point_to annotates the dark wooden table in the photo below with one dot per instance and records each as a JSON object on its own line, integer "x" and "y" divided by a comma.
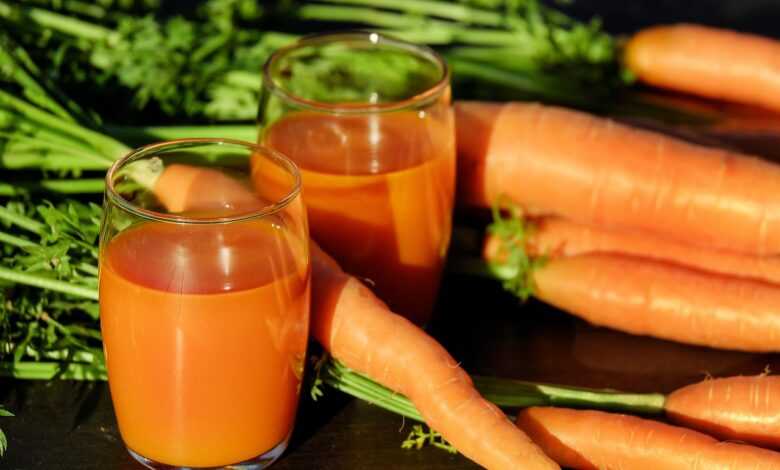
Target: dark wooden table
{"x": 71, "y": 426}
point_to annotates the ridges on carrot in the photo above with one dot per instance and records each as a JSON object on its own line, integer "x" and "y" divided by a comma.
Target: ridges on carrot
{"x": 596, "y": 440}
{"x": 642, "y": 296}
{"x": 744, "y": 408}
{"x": 359, "y": 330}
{"x": 550, "y": 160}
{"x": 556, "y": 236}
{"x": 706, "y": 61}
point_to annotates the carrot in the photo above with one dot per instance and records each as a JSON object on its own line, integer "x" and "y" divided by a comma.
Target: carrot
{"x": 654, "y": 298}
{"x": 709, "y": 62}
{"x": 360, "y": 331}
{"x": 595, "y": 440}
{"x": 180, "y": 187}
{"x": 670, "y": 302}
{"x": 556, "y": 236}
{"x": 555, "y": 161}
{"x": 741, "y": 408}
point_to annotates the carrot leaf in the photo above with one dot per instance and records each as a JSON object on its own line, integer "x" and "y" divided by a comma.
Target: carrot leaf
{"x": 420, "y": 436}
{"x": 514, "y": 267}
{"x": 3, "y": 439}
{"x": 315, "y": 391}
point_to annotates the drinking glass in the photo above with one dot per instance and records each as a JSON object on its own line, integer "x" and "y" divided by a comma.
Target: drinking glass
{"x": 204, "y": 302}
{"x": 368, "y": 119}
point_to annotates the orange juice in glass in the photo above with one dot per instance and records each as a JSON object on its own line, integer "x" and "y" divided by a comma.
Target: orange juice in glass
{"x": 368, "y": 120}
{"x": 204, "y": 303}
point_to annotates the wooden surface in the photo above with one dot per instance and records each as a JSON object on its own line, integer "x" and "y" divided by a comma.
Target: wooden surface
{"x": 70, "y": 425}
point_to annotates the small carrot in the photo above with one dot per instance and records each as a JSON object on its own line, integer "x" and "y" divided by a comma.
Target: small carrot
{"x": 360, "y": 331}
{"x": 556, "y": 236}
{"x": 658, "y": 299}
{"x": 740, "y": 408}
{"x": 595, "y": 440}
{"x": 706, "y": 61}
{"x": 642, "y": 296}
{"x": 592, "y": 170}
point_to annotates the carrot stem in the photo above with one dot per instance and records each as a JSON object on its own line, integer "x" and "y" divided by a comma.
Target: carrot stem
{"x": 505, "y": 393}
{"x": 48, "y": 283}
{"x": 520, "y": 394}
{"x": 344, "y": 379}
{"x": 13, "y": 240}
{"x": 29, "y": 370}
{"x": 21, "y": 221}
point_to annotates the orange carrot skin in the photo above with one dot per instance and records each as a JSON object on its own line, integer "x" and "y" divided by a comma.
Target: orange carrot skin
{"x": 652, "y": 298}
{"x": 360, "y": 331}
{"x": 709, "y": 62}
{"x": 736, "y": 408}
{"x": 555, "y": 236}
{"x": 186, "y": 187}
{"x": 595, "y": 440}
{"x": 551, "y": 160}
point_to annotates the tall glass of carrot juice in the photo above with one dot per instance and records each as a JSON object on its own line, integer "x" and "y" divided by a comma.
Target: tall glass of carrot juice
{"x": 204, "y": 302}
{"x": 368, "y": 120}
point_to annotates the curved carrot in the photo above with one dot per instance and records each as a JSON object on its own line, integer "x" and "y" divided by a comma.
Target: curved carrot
{"x": 360, "y": 331}
{"x": 556, "y": 236}
{"x": 654, "y": 298}
{"x": 706, "y": 61}
{"x": 555, "y": 161}
{"x": 741, "y": 408}
{"x": 595, "y": 440}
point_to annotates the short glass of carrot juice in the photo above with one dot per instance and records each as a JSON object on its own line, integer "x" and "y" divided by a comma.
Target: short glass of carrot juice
{"x": 368, "y": 120}
{"x": 204, "y": 302}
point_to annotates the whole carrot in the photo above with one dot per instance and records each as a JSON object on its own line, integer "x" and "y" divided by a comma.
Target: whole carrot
{"x": 739, "y": 408}
{"x": 556, "y": 237}
{"x": 745, "y": 409}
{"x": 360, "y": 331}
{"x": 551, "y": 160}
{"x": 595, "y": 440}
{"x": 645, "y": 297}
{"x": 707, "y": 61}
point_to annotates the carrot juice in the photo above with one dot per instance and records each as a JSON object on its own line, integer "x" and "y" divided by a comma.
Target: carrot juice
{"x": 204, "y": 329}
{"x": 379, "y": 191}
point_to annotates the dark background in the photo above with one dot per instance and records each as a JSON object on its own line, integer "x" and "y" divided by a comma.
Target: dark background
{"x": 626, "y": 16}
{"x": 70, "y": 425}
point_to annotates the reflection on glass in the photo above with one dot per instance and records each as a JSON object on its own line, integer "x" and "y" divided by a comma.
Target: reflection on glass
{"x": 204, "y": 291}
{"x": 369, "y": 122}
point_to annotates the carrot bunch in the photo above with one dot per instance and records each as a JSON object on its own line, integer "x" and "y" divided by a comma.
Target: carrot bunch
{"x": 639, "y": 231}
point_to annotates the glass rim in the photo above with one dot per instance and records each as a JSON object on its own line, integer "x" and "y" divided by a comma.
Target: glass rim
{"x": 428, "y": 95}
{"x": 151, "y": 149}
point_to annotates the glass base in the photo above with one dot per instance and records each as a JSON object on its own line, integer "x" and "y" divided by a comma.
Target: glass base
{"x": 257, "y": 463}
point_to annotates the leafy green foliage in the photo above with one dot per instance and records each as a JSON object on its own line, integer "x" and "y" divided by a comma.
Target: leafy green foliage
{"x": 337, "y": 73}
{"x": 177, "y": 66}
{"x": 61, "y": 244}
{"x": 420, "y": 436}
{"x": 206, "y": 64}
{"x": 513, "y": 265}
{"x": 3, "y": 439}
